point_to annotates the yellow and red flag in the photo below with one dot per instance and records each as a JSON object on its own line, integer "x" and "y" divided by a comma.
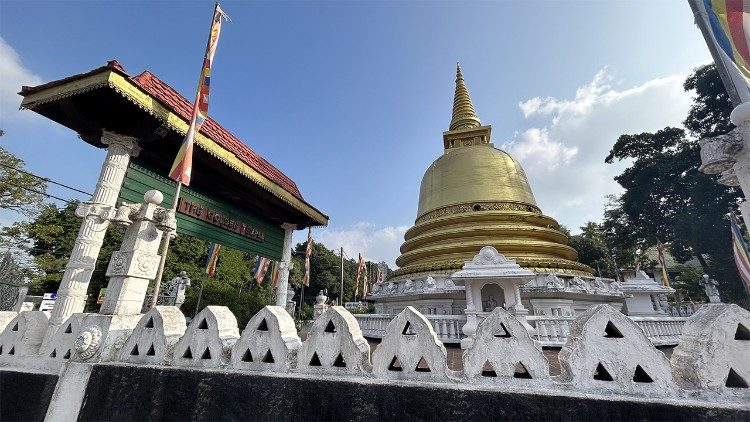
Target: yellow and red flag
{"x": 182, "y": 167}
{"x": 275, "y": 273}
{"x": 361, "y": 272}
{"x": 662, "y": 262}
{"x": 213, "y": 257}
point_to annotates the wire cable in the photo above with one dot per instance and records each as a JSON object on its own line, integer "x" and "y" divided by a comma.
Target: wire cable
{"x": 46, "y": 179}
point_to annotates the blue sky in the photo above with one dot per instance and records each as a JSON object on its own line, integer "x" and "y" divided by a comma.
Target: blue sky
{"x": 350, "y": 98}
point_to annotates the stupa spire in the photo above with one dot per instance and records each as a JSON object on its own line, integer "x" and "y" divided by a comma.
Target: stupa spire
{"x": 464, "y": 115}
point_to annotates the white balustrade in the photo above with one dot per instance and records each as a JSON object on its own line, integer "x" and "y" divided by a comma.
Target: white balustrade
{"x": 551, "y": 331}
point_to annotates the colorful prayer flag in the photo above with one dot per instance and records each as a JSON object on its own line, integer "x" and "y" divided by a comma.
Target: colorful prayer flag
{"x": 213, "y": 256}
{"x": 308, "y": 253}
{"x": 664, "y": 273}
{"x": 275, "y": 273}
{"x": 361, "y": 271}
{"x": 727, "y": 27}
{"x": 261, "y": 267}
{"x": 739, "y": 249}
{"x": 182, "y": 167}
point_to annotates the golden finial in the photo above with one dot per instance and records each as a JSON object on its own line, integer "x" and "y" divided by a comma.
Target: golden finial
{"x": 464, "y": 115}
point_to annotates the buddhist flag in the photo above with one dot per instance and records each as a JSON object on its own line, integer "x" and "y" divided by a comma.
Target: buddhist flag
{"x": 739, "y": 249}
{"x": 664, "y": 273}
{"x": 182, "y": 167}
{"x": 308, "y": 253}
{"x": 275, "y": 273}
{"x": 726, "y": 28}
{"x": 213, "y": 256}
{"x": 261, "y": 267}
{"x": 361, "y": 272}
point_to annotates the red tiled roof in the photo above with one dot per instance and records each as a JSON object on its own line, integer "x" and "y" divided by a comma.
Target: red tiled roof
{"x": 183, "y": 108}
{"x": 180, "y": 105}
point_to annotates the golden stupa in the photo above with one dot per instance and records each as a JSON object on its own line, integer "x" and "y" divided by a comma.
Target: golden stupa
{"x": 476, "y": 195}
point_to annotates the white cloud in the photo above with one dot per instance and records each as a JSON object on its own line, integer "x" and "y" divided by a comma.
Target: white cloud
{"x": 564, "y": 157}
{"x": 13, "y": 75}
{"x": 374, "y": 243}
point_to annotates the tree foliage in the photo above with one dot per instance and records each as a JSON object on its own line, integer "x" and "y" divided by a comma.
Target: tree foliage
{"x": 667, "y": 198}
{"x": 19, "y": 191}
{"x": 592, "y": 249}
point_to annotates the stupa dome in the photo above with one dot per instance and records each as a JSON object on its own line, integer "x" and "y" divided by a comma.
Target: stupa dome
{"x": 473, "y": 174}
{"x": 476, "y": 195}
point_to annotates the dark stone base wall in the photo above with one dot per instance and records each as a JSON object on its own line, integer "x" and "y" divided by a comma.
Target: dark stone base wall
{"x": 25, "y": 396}
{"x": 124, "y": 392}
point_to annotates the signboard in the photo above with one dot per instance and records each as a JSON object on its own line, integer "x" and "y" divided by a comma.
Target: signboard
{"x": 100, "y": 298}
{"x": 204, "y": 216}
{"x": 48, "y": 302}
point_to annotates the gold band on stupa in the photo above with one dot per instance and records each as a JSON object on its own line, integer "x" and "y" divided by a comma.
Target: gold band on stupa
{"x": 476, "y": 195}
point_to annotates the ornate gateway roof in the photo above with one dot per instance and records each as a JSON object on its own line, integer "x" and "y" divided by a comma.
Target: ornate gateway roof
{"x": 149, "y": 109}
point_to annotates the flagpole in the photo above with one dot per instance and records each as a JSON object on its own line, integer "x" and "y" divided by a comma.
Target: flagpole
{"x": 721, "y": 65}
{"x": 200, "y": 295}
{"x": 164, "y": 249}
{"x": 190, "y": 135}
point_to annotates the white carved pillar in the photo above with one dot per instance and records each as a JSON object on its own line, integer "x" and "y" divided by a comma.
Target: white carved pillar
{"x": 285, "y": 266}
{"x": 71, "y": 296}
{"x": 137, "y": 261}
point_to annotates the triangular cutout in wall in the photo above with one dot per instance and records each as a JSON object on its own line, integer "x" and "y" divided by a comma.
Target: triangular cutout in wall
{"x": 151, "y": 351}
{"x": 339, "y": 362}
{"x": 263, "y": 326}
{"x": 188, "y": 353}
{"x": 206, "y": 354}
{"x": 315, "y": 360}
{"x": 268, "y": 358}
{"x": 641, "y": 376}
{"x": 488, "y": 370}
{"x": 395, "y": 365}
{"x": 502, "y": 332}
{"x": 742, "y": 333}
{"x": 422, "y": 366}
{"x": 734, "y": 380}
{"x": 521, "y": 371}
{"x": 610, "y": 331}
{"x": 248, "y": 356}
{"x": 330, "y": 328}
{"x": 601, "y": 374}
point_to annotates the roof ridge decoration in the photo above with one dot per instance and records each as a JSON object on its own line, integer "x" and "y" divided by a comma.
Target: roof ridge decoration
{"x": 464, "y": 116}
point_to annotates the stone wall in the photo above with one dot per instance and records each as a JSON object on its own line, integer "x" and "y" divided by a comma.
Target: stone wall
{"x": 608, "y": 363}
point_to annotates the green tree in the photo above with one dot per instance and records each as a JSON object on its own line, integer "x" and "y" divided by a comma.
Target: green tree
{"x": 325, "y": 270}
{"x": 667, "y": 198}
{"x": 19, "y": 190}
{"x": 592, "y": 249}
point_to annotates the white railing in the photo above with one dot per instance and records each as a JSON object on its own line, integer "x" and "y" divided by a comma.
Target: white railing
{"x": 661, "y": 330}
{"x": 447, "y": 327}
{"x": 551, "y": 331}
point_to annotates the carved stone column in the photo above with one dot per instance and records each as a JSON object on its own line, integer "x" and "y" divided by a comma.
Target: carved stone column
{"x": 71, "y": 296}
{"x": 131, "y": 268}
{"x": 285, "y": 266}
{"x": 729, "y": 156}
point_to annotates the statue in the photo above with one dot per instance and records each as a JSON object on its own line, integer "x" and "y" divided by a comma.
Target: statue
{"x": 578, "y": 283}
{"x": 392, "y": 287}
{"x": 376, "y": 288}
{"x": 490, "y": 304}
{"x": 409, "y": 285}
{"x": 553, "y": 282}
{"x": 599, "y": 284}
{"x": 430, "y": 283}
{"x": 181, "y": 283}
{"x": 711, "y": 287}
